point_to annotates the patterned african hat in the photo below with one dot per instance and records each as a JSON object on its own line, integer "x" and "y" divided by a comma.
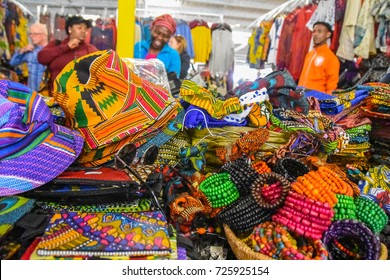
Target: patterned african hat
{"x": 109, "y": 105}
{"x": 33, "y": 149}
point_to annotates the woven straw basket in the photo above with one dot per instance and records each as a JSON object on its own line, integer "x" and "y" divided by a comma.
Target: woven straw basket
{"x": 243, "y": 252}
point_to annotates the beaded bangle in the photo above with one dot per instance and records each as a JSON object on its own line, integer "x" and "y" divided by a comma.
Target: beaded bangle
{"x": 291, "y": 168}
{"x": 219, "y": 189}
{"x": 304, "y": 216}
{"x": 315, "y": 187}
{"x": 241, "y": 173}
{"x": 368, "y": 242}
{"x": 261, "y": 167}
{"x": 371, "y": 214}
{"x": 269, "y": 190}
{"x": 337, "y": 184}
{"x": 243, "y": 215}
{"x": 275, "y": 241}
{"x": 351, "y": 253}
{"x": 345, "y": 208}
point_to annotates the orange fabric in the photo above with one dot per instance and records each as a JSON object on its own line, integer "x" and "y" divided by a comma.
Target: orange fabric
{"x": 320, "y": 70}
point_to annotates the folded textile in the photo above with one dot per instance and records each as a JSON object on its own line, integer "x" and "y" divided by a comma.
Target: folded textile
{"x": 197, "y": 117}
{"x": 344, "y": 99}
{"x": 281, "y": 89}
{"x": 319, "y": 95}
{"x": 334, "y": 110}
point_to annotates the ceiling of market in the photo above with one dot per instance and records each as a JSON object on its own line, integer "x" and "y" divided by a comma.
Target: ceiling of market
{"x": 241, "y": 15}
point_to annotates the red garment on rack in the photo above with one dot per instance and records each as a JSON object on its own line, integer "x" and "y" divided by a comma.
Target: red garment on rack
{"x": 336, "y": 36}
{"x": 299, "y": 50}
{"x": 284, "y": 55}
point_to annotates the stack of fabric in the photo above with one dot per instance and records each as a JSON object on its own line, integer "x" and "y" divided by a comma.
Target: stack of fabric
{"x": 378, "y": 109}
{"x": 343, "y": 108}
{"x": 340, "y": 100}
{"x": 357, "y": 128}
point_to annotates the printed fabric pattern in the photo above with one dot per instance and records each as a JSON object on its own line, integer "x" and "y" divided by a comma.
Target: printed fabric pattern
{"x": 99, "y": 234}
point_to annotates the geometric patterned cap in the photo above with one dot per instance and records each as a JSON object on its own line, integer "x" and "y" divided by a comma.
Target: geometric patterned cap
{"x": 106, "y": 102}
{"x": 33, "y": 149}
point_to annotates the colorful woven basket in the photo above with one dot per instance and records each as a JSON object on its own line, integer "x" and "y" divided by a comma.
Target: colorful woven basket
{"x": 243, "y": 252}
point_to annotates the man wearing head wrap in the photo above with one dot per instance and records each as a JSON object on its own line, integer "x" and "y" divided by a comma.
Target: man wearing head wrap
{"x": 162, "y": 28}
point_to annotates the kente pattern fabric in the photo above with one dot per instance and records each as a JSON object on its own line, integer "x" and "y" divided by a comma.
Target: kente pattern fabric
{"x": 101, "y": 234}
{"x": 30, "y": 141}
{"x": 109, "y": 103}
{"x": 203, "y": 98}
{"x": 102, "y": 155}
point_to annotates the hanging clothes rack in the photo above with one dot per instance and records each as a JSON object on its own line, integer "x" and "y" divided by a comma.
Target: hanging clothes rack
{"x": 22, "y": 7}
{"x": 175, "y": 13}
{"x": 291, "y": 4}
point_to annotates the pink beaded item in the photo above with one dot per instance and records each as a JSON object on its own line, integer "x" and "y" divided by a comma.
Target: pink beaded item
{"x": 304, "y": 216}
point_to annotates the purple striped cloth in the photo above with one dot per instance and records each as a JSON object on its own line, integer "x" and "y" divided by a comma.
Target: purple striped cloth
{"x": 33, "y": 149}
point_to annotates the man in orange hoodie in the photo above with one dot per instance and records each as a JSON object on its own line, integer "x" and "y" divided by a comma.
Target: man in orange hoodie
{"x": 321, "y": 67}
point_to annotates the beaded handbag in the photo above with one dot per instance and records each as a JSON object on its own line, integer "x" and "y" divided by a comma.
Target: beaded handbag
{"x": 72, "y": 234}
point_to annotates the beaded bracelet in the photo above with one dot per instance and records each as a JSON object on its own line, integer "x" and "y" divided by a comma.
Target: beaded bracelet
{"x": 338, "y": 185}
{"x": 243, "y": 215}
{"x": 304, "y": 216}
{"x": 275, "y": 241}
{"x": 345, "y": 208}
{"x": 219, "y": 189}
{"x": 241, "y": 174}
{"x": 369, "y": 243}
{"x": 291, "y": 168}
{"x": 315, "y": 187}
{"x": 349, "y": 247}
{"x": 371, "y": 214}
{"x": 261, "y": 167}
{"x": 269, "y": 190}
